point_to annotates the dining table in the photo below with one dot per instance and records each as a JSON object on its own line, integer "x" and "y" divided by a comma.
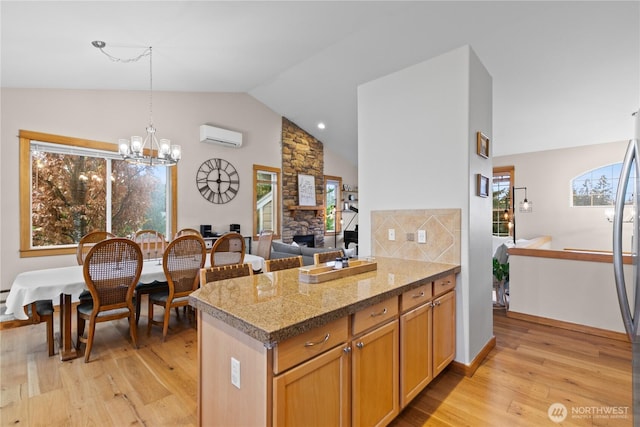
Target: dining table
{"x": 67, "y": 283}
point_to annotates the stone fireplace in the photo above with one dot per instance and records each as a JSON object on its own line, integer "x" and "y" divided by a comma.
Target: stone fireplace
{"x": 301, "y": 154}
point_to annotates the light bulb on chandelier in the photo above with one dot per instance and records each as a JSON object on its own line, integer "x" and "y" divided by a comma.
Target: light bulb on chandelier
{"x": 147, "y": 151}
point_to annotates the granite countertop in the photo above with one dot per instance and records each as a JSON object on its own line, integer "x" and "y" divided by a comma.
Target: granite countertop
{"x": 272, "y": 307}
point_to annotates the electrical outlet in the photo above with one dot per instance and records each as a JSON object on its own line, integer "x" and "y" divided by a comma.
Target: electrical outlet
{"x": 392, "y": 234}
{"x": 422, "y": 236}
{"x": 235, "y": 372}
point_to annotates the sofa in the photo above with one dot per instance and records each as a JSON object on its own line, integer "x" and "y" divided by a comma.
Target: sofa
{"x": 284, "y": 250}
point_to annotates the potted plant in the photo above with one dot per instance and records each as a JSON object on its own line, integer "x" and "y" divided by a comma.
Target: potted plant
{"x": 500, "y": 276}
{"x": 500, "y": 271}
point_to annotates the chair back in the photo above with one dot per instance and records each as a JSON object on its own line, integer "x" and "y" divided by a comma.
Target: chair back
{"x": 322, "y": 257}
{"x": 111, "y": 271}
{"x": 186, "y": 231}
{"x": 228, "y": 249}
{"x": 88, "y": 241}
{"x": 264, "y": 244}
{"x": 182, "y": 261}
{"x": 152, "y": 243}
{"x": 278, "y": 264}
{"x": 223, "y": 272}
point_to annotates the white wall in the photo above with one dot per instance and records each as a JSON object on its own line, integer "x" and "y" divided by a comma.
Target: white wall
{"x": 579, "y": 292}
{"x": 336, "y": 165}
{"x": 416, "y": 150}
{"x": 547, "y": 176}
{"x": 108, "y": 115}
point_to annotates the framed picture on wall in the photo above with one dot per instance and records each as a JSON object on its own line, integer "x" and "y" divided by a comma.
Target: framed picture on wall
{"x": 306, "y": 190}
{"x": 482, "y": 145}
{"x": 482, "y": 185}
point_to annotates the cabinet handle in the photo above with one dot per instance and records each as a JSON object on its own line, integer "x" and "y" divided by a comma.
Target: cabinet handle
{"x": 347, "y": 349}
{"x": 436, "y": 303}
{"x": 384, "y": 311}
{"x": 360, "y": 344}
{"x": 311, "y": 344}
{"x": 420, "y": 295}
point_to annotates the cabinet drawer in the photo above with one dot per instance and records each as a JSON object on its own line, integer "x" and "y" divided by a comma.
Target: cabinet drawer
{"x": 374, "y": 315}
{"x": 415, "y": 297}
{"x": 444, "y": 285}
{"x": 302, "y": 347}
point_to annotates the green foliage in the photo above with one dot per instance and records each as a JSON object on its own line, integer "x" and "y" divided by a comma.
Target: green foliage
{"x": 500, "y": 271}
{"x": 69, "y": 198}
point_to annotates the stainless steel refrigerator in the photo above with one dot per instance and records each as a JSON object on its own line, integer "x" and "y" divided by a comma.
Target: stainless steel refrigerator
{"x": 629, "y": 183}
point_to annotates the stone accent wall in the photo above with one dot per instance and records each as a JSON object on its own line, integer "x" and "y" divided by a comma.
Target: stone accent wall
{"x": 301, "y": 153}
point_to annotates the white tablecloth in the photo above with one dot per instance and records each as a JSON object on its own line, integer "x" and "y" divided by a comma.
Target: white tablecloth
{"x": 49, "y": 283}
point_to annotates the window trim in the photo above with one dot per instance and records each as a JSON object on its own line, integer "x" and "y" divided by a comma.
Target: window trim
{"x": 25, "y": 137}
{"x": 338, "y": 219}
{"x": 278, "y": 199}
{"x": 512, "y": 172}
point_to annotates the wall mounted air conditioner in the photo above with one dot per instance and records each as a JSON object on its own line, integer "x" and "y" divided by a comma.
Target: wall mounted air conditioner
{"x": 214, "y": 135}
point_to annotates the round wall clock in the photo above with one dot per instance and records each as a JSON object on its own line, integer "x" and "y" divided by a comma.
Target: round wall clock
{"x": 217, "y": 181}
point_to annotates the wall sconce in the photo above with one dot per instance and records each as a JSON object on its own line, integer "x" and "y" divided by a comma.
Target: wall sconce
{"x": 526, "y": 206}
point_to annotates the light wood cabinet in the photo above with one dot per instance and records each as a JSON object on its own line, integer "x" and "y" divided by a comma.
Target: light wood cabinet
{"x": 375, "y": 376}
{"x": 315, "y": 393}
{"x": 345, "y": 372}
{"x": 416, "y": 370}
{"x": 427, "y": 335}
{"x": 444, "y": 331}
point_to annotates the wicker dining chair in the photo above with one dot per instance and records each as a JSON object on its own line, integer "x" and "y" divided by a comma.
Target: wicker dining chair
{"x": 185, "y": 231}
{"x": 322, "y": 257}
{"x": 152, "y": 244}
{"x": 264, "y": 244}
{"x": 111, "y": 270}
{"x": 182, "y": 261}
{"x": 88, "y": 241}
{"x": 42, "y": 311}
{"x": 222, "y": 272}
{"x": 278, "y": 264}
{"x": 228, "y": 249}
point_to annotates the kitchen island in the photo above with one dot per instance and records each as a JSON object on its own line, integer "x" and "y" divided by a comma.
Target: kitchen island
{"x": 273, "y": 350}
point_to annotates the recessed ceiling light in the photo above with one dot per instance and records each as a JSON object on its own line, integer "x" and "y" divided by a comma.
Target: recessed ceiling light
{"x": 321, "y": 125}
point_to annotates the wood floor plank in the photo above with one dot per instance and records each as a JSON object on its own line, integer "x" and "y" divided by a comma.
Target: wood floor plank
{"x": 531, "y": 368}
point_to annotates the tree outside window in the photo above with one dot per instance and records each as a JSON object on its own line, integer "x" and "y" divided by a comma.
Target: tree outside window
{"x": 598, "y": 187}
{"x": 267, "y": 208}
{"x": 501, "y": 191}
{"x": 332, "y": 204}
{"x": 75, "y": 186}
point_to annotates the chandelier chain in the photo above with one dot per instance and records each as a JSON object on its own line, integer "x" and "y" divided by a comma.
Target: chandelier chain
{"x": 146, "y": 52}
{"x": 150, "y": 86}
{"x": 148, "y": 151}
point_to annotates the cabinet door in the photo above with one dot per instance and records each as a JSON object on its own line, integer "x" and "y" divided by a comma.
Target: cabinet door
{"x": 444, "y": 331}
{"x": 415, "y": 352}
{"x": 315, "y": 393}
{"x": 375, "y": 376}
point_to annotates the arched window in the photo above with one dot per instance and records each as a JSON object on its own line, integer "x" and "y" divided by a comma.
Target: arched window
{"x": 598, "y": 187}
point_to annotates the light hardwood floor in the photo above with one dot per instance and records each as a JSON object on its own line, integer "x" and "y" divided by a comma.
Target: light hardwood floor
{"x": 531, "y": 367}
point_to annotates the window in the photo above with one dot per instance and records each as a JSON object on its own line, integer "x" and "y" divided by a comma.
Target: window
{"x": 501, "y": 188}
{"x": 266, "y": 182}
{"x": 332, "y": 217}
{"x": 70, "y": 186}
{"x": 598, "y": 187}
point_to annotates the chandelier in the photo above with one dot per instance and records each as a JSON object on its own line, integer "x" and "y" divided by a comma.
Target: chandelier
{"x": 147, "y": 150}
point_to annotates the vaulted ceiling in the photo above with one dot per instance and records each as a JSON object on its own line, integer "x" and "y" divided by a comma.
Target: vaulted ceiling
{"x": 564, "y": 73}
